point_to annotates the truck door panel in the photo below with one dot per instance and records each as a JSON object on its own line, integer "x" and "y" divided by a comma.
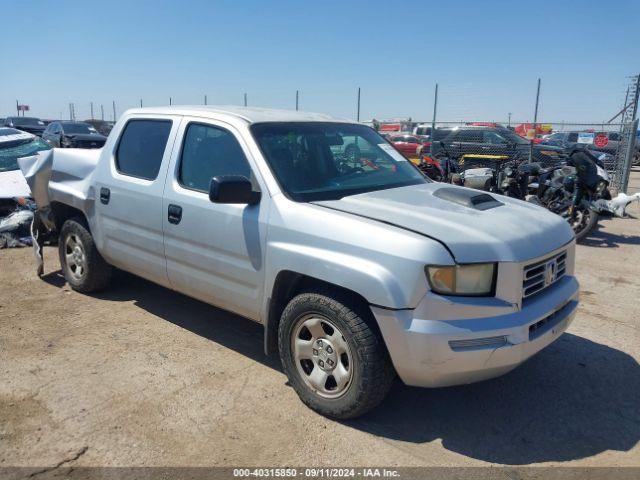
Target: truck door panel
{"x": 214, "y": 252}
{"x": 129, "y": 197}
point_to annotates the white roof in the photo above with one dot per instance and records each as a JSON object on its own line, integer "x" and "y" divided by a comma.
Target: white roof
{"x": 248, "y": 114}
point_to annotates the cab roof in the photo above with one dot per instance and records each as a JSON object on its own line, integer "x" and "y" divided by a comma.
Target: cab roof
{"x": 247, "y": 114}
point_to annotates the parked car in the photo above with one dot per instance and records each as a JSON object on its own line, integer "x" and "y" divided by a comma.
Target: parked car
{"x": 73, "y": 135}
{"x": 26, "y": 124}
{"x": 423, "y": 129}
{"x": 356, "y": 274}
{"x": 569, "y": 140}
{"x": 13, "y": 187}
{"x": 102, "y": 126}
{"x": 494, "y": 141}
{"x": 406, "y": 144}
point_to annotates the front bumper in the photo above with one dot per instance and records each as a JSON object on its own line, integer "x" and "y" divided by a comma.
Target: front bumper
{"x": 439, "y": 353}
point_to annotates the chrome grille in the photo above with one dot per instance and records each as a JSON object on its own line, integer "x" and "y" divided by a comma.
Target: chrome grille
{"x": 540, "y": 275}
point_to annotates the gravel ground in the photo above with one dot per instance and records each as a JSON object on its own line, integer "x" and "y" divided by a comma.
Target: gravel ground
{"x": 140, "y": 375}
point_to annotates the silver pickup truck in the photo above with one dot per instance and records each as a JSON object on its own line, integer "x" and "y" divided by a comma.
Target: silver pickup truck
{"x": 359, "y": 267}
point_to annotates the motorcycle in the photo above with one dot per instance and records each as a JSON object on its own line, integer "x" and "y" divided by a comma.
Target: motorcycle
{"x": 571, "y": 190}
{"x": 437, "y": 169}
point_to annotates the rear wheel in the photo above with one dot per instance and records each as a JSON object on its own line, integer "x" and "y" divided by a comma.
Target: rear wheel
{"x": 82, "y": 265}
{"x": 336, "y": 362}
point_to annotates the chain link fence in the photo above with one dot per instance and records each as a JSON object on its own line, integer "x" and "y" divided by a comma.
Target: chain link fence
{"x": 488, "y": 144}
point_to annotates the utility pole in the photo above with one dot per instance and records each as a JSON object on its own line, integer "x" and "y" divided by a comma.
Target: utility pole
{"x": 102, "y": 112}
{"x": 297, "y": 95}
{"x": 114, "y": 111}
{"x": 91, "y": 110}
{"x": 18, "y": 107}
{"x": 433, "y": 119}
{"x": 140, "y": 103}
{"x": 170, "y": 100}
{"x": 535, "y": 121}
{"x": 245, "y": 99}
{"x": 509, "y": 119}
{"x": 358, "y": 111}
{"x": 205, "y": 99}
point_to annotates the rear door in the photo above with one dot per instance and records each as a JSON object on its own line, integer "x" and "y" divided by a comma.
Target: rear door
{"x": 129, "y": 189}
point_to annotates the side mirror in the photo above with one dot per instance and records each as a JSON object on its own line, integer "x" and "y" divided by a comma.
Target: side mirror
{"x": 232, "y": 189}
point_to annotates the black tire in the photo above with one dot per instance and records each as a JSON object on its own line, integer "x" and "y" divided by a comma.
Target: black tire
{"x": 591, "y": 222}
{"x": 96, "y": 272}
{"x": 370, "y": 367}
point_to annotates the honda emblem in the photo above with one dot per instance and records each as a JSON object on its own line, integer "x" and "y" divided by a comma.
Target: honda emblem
{"x": 550, "y": 273}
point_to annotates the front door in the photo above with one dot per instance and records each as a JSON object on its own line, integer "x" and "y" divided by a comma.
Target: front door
{"x": 215, "y": 252}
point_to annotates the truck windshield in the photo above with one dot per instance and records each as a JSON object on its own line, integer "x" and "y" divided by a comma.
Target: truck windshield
{"x": 27, "y": 121}
{"x": 513, "y": 137}
{"x": 327, "y": 161}
{"x": 78, "y": 128}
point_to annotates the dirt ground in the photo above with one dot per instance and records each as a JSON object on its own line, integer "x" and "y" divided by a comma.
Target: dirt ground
{"x": 140, "y": 375}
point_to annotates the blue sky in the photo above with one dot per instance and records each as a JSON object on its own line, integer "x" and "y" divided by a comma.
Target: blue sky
{"x": 485, "y": 55}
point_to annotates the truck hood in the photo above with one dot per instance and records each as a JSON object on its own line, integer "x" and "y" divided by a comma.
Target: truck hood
{"x": 501, "y": 229}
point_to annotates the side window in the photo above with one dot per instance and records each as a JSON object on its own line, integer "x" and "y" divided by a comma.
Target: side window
{"x": 209, "y": 151}
{"x": 572, "y": 137}
{"x": 492, "y": 138}
{"x": 141, "y": 148}
{"x": 614, "y": 137}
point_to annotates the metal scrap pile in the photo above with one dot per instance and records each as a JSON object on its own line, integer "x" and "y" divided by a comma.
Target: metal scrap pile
{"x": 15, "y": 229}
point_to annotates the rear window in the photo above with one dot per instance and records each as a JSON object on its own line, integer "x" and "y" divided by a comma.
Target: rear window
{"x": 141, "y": 148}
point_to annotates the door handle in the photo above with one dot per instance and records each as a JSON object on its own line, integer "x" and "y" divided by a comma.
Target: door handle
{"x": 174, "y": 214}
{"x": 105, "y": 195}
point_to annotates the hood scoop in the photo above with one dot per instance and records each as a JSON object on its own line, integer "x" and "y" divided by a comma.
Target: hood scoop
{"x": 467, "y": 198}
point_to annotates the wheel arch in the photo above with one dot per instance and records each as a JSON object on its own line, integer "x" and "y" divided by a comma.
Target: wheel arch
{"x": 63, "y": 212}
{"x": 287, "y": 285}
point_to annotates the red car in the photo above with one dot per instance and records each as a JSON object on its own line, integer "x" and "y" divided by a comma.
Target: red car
{"x": 407, "y": 145}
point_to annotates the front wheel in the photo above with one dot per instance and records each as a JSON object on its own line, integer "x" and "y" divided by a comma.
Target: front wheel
{"x": 335, "y": 360}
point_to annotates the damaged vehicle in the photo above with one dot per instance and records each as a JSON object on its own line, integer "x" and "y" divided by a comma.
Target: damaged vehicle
{"x": 16, "y": 205}
{"x": 73, "y": 135}
{"x": 358, "y": 273}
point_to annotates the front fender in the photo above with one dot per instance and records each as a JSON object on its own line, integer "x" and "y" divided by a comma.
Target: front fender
{"x": 373, "y": 281}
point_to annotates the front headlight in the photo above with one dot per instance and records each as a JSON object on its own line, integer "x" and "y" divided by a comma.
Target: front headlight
{"x": 472, "y": 280}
